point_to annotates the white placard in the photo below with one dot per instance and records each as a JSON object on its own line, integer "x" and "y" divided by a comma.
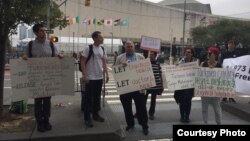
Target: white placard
{"x": 181, "y": 76}
{"x": 135, "y": 76}
{"x": 150, "y": 43}
{"x": 242, "y": 72}
{"x": 216, "y": 82}
{"x": 41, "y": 77}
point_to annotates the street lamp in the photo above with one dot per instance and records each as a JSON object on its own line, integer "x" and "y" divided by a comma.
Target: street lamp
{"x": 184, "y": 23}
{"x": 112, "y": 37}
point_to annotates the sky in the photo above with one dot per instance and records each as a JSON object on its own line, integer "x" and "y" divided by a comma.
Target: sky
{"x": 231, "y": 8}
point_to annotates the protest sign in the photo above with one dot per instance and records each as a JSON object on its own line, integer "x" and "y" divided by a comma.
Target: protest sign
{"x": 133, "y": 77}
{"x": 41, "y": 77}
{"x": 150, "y": 43}
{"x": 181, "y": 76}
{"x": 241, "y": 65}
{"x": 214, "y": 82}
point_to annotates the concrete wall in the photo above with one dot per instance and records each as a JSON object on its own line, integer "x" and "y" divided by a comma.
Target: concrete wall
{"x": 144, "y": 19}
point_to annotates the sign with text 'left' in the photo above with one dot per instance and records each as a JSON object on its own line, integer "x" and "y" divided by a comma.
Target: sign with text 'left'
{"x": 41, "y": 77}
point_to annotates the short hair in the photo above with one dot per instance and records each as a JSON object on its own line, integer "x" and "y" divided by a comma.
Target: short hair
{"x": 36, "y": 27}
{"x": 192, "y": 50}
{"x": 231, "y": 42}
{"x": 95, "y": 34}
{"x": 129, "y": 42}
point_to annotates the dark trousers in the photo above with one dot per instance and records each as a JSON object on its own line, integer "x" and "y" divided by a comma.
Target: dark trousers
{"x": 92, "y": 98}
{"x": 185, "y": 106}
{"x": 42, "y": 109}
{"x": 139, "y": 99}
{"x": 152, "y": 103}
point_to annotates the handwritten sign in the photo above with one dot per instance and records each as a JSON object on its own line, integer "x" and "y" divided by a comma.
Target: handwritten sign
{"x": 181, "y": 76}
{"x": 241, "y": 65}
{"x": 151, "y": 44}
{"x": 216, "y": 82}
{"x": 41, "y": 77}
{"x": 135, "y": 76}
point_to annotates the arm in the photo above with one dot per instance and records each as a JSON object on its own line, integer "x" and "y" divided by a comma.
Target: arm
{"x": 84, "y": 70}
{"x": 105, "y": 69}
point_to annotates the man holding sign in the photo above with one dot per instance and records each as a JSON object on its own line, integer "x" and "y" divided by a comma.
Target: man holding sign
{"x": 41, "y": 48}
{"x": 139, "y": 98}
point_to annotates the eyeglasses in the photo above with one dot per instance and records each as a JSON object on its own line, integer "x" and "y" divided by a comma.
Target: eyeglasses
{"x": 188, "y": 51}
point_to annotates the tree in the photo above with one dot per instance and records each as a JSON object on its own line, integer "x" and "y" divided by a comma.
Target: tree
{"x": 222, "y": 31}
{"x": 14, "y": 12}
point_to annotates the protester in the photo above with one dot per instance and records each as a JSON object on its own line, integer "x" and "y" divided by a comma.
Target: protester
{"x": 213, "y": 53}
{"x": 184, "y": 97}
{"x": 41, "y": 48}
{"x": 94, "y": 67}
{"x": 231, "y": 52}
{"x": 139, "y": 98}
{"x": 115, "y": 56}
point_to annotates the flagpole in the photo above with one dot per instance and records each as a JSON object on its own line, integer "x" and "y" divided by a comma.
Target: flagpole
{"x": 79, "y": 5}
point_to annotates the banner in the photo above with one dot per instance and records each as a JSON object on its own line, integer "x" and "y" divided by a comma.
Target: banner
{"x": 241, "y": 65}
{"x": 41, "y": 77}
{"x": 215, "y": 82}
{"x": 133, "y": 77}
{"x": 181, "y": 76}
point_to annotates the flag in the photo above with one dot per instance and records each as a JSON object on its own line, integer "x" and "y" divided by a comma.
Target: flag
{"x": 74, "y": 20}
{"x": 101, "y": 22}
{"x": 124, "y": 23}
{"x": 108, "y": 22}
{"x": 117, "y": 22}
{"x": 84, "y": 21}
{"x": 91, "y": 21}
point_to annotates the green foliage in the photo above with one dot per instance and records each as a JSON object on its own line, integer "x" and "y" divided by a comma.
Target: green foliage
{"x": 222, "y": 31}
{"x": 14, "y": 12}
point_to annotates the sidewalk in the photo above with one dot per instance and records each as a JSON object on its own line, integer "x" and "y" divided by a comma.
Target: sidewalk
{"x": 68, "y": 123}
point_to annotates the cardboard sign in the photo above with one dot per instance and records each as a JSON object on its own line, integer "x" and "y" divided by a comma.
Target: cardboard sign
{"x": 150, "y": 43}
{"x": 41, "y": 77}
{"x": 134, "y": 77}
{"x": 215, "y": 82}
{"x": 241, "y": 65}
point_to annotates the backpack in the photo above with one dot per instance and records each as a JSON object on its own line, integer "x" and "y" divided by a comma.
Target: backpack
{"x": 89, "y": 55}
{"x": 51, "y": 45}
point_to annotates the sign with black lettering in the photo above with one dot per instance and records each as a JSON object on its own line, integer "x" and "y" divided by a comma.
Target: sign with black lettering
{"x": 150, "y": 43}
{"x": 41, "y": 77}
{"x": 133, "y": 77}
{"x": 181, "y": 76}
{"x": 241, "y": 65}
{"x": 215, "y": 82}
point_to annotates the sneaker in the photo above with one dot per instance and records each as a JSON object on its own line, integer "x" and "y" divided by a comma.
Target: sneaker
{"x": 232, "y": 100}
{"x": 98, "y": 118}
{"x": 129, "y": 127}
{"x": 151, "y": 117}
{"x": 89, "y": 123}
{"x": 47, "y": 126}
{"x": 224, "y": 100}
{"x": 145, "y": 131}
{"x": 40, "y": 127}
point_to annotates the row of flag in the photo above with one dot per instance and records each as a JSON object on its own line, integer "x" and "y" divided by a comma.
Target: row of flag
{"x": 105, "y": 22}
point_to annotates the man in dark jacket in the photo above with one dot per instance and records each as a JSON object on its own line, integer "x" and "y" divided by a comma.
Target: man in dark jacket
{"x": 231, "y": 52}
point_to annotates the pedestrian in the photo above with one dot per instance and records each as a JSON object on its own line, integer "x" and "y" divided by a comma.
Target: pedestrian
{"x": 212, "y": 62}
{"x": 231, "y": 52}
{"x": 94, "y": 67}
{"x": 41, "y": 48}
{"x": 158, "y": 89}
{"x": 138, "y": 97}
{"x": 184, "y": 97}
{"x": 115, "y": 56}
